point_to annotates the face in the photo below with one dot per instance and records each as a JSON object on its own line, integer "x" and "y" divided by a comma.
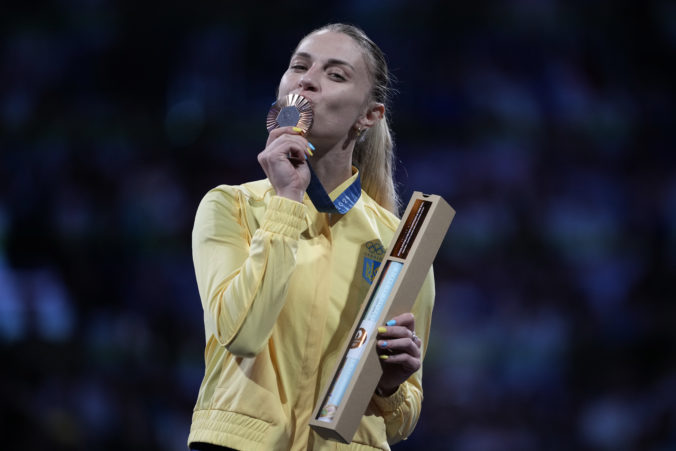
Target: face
{"x": 330, "y": 70}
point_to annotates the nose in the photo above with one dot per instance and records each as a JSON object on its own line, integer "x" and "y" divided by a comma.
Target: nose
{"x": 308, "y": 82}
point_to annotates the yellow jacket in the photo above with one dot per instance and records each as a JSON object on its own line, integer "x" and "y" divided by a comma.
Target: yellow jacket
{"x": 281, "y": 285}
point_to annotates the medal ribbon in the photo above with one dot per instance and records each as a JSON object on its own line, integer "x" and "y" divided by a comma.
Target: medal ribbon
{"x": 321, "y": 200}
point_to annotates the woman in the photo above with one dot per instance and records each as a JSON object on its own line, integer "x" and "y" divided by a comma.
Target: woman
{"x": 281, "y": 283}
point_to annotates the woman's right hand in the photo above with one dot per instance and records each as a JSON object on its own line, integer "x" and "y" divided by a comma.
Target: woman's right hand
{"x": 284, "y": 162}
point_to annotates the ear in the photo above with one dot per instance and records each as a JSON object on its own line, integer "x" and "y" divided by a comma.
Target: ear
{"x": 374, "y": 113}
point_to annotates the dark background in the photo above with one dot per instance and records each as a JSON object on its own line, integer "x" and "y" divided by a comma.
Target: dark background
{"x": 548, "y": 125}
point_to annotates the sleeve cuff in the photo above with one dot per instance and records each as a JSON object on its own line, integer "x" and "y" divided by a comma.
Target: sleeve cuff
{"x": 388, "y": 404}
{"x": 284, "y": 216}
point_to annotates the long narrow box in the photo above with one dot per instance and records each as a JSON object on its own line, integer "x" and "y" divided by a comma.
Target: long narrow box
{"x": 344, "y": 400}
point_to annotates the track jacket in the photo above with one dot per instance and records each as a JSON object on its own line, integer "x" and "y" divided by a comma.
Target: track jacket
{"x": 281, "y": 285}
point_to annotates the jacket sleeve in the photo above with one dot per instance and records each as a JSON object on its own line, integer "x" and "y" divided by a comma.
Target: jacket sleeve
{"x": 401, "y": 410}
{"x": 243, "y": 279}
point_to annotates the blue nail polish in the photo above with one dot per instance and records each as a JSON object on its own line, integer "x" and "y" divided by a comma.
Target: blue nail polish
{"x": 384, "y": 345}
{"x": 311, "y": 146}
{"x": 391, "y": 322}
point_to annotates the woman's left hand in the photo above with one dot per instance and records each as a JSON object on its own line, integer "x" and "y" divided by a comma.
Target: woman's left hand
{"x": 399, "y": 350}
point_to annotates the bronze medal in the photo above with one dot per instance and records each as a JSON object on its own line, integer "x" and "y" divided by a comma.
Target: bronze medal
{"x": 293, "y": 110}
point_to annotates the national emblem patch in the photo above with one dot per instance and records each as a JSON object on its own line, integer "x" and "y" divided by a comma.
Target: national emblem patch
{"x": 374, "y": 255}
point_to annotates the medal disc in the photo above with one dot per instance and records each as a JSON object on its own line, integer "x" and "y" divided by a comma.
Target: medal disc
{"x": 293, "y": 110}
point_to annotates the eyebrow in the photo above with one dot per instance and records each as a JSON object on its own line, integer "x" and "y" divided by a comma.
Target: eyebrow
{"x": 329, "y": 62}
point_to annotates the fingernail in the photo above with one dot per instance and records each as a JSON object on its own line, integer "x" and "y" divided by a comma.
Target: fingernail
{"x": 310, "y": 150}
{"x": 391, "y": 322}
{"x": 383, "y": 344}
{"x": 384, "y": 357}
{"x": 382, "y": 329}
{"x": 297, "y": 129}
{"x": 311, "y": 146}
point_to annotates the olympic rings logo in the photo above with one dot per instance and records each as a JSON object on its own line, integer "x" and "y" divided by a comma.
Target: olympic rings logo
{"x": 375, "y": 247}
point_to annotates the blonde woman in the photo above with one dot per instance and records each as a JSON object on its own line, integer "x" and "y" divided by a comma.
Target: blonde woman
{"x": 281, "y": 283}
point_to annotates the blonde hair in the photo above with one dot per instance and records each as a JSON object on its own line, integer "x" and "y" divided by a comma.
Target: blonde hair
{"x": 374, "y": 150}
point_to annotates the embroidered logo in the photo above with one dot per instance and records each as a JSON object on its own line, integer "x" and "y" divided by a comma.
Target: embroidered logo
{"x": 374, "y": 255}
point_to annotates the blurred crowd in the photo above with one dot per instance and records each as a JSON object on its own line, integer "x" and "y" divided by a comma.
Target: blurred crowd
{"x": 548, "y": 126}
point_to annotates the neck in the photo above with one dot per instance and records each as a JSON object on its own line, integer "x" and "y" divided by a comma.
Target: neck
{"x": 333, "y": 167}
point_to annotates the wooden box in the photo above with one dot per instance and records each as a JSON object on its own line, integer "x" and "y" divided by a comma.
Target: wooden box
{"x": 344, "y": 400}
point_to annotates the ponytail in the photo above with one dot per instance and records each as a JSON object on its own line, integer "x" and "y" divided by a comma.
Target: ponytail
{"x": 374, "y": 156}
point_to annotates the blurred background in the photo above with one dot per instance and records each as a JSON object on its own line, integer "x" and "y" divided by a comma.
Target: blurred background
{"x": 548, "y": 125}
